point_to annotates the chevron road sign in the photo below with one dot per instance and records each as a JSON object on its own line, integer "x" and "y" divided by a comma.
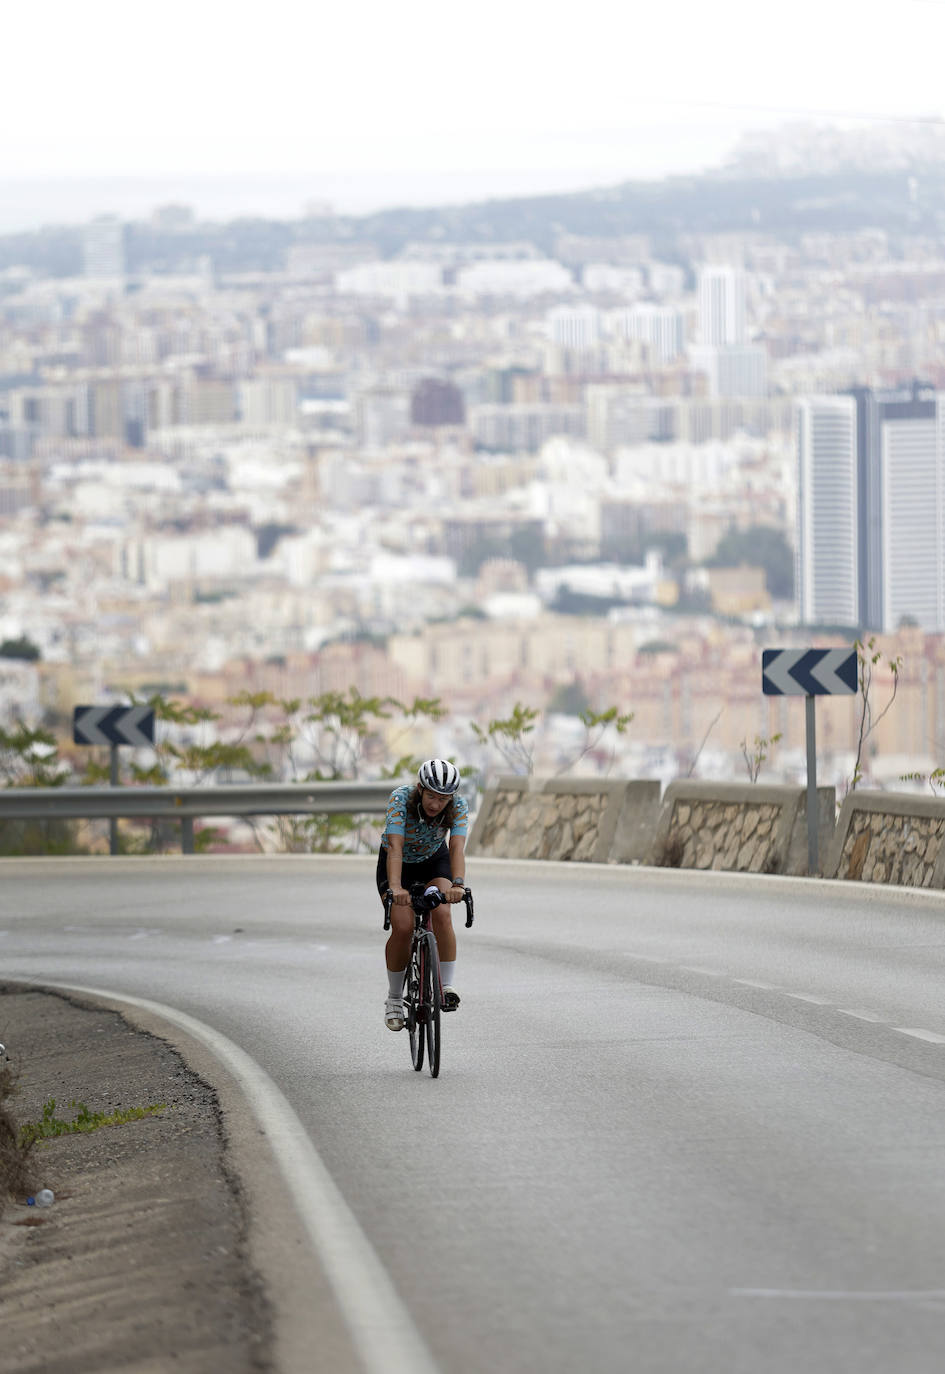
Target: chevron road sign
{"x": 808, "y": 672}
{"x": 112, "y": 725}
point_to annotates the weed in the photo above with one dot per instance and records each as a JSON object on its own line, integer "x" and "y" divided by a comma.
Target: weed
{"x": 671, "y": 851}
{"x": 14, "y": 1153}
{"x": 49, "y": 1125}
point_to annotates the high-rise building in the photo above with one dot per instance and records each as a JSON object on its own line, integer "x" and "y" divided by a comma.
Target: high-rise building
{"x": 871, "y": 509}
{"x": 722, "y": 306}
{"x": 828, "y": 505}
{"x": 103, "y": 242}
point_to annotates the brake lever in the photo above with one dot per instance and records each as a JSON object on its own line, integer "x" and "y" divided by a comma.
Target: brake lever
{"x": 388, "y": 903}
{"x": 468, "y": 899}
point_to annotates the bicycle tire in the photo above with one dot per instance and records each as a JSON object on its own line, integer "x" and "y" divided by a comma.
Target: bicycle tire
{"x": 432, "y": 997}
{"x": 414, "y": 1006}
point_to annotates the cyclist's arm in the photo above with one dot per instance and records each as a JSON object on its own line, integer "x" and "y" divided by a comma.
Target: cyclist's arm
{"x": 395, "y": 864}
{"x": 457, "y": 850}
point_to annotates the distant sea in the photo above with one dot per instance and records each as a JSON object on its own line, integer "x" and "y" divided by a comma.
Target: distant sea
{"x": 31, "y": 203}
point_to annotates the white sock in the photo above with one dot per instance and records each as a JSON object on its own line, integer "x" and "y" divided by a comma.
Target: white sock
{"x": 395, "y": 980}
{"x": 447, "y": 972}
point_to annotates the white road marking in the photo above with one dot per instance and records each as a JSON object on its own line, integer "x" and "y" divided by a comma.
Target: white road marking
{"x": 381, "y": 1328}
{"x": 809, "y": 997}
{"x": 142, "y": 934}
{"x": 930, "y": 1036}
{"x": 840, "y": 1294}
{"x": 221, "y": 940}
{"x": 864, "y": 1016}
{"x": 706, "y": 972}
{"x": 753, "y": 983}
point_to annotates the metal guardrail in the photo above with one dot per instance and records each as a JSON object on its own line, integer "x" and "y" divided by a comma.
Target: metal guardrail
{"x": 187, "y": 803}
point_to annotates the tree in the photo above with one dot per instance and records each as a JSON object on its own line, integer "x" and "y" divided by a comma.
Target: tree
{"x": 510, "y": 737}
{"x": 29, "y": 757}
{"x": 868, "y": 657}
{"x": 760, "y": 546}
{"x": 20, "y": 648}
{"x": 756, "y": 754}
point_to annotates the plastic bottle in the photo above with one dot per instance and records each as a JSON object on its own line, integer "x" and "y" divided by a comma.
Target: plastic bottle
{"x": 45, "y": 1197}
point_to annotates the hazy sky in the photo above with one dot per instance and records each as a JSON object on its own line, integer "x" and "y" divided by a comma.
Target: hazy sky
{"x": 498, "y": 94}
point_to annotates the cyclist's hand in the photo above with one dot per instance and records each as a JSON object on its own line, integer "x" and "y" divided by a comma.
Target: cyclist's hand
{"x": 457, "y": 894}
{"x": 401, "y": 896}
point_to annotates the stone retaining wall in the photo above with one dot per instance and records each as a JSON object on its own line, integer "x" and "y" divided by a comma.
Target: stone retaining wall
{"x": 742, "y": 828}
{"x": 880, "y": 837}
{"x": 581, "y": 819}
{"x": 885, "y": 838}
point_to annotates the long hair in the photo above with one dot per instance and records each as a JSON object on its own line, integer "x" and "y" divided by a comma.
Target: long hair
{"x": 446, "y": 817}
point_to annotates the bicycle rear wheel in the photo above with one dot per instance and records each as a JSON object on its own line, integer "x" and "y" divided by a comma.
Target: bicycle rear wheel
{"x": 414, "y": 1006}
{"x": 432, "y": 999}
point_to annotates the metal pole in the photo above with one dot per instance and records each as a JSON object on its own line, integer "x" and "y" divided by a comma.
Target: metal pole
{"x": 115, "y": 781}
{"x": 187, "y": 834}
{"x": 812, "y": 816}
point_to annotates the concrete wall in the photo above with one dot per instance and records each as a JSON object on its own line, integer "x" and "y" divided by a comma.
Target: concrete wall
{"x": 879, "y": 837}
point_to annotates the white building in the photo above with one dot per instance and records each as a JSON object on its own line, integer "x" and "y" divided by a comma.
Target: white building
{"x": 828, "y": 503}
{"x": 659, "y": 327}
{"x": 574, "y": 326}
{"x": 722, "y": 297}
{"x": 103, "y": 243}
{"x": 537, "y": 277}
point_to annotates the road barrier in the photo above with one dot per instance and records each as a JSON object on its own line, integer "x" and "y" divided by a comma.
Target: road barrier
{"x": 187, "y": 804}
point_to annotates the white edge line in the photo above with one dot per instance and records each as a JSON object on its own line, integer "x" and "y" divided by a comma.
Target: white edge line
{"x": 809, "y": 997}
{"x": 381, "y": 1328}
{"x": 863, "y": 1016}
{"x": 930, "y": 1036}
{"x": 839, "y": 1294}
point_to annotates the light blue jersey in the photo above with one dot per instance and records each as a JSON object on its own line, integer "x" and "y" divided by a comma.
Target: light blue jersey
{"x": 422, "y": 838}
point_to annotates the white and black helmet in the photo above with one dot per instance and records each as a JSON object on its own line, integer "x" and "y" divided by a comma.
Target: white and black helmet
{"x": 439, "y": 775}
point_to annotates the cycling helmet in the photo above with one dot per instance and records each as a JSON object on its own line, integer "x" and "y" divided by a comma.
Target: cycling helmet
{"x": 439, "y": 775}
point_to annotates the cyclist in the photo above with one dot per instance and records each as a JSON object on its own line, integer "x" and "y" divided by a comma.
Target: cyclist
{"x": 414, "y": 848}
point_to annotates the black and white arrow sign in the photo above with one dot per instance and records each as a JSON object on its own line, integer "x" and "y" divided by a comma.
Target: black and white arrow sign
{"x": 107, "y": 725}
{"x": 808, "y": 672}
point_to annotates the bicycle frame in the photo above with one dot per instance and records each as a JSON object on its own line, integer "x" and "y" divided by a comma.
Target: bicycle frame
{"x": 423, "y": 990}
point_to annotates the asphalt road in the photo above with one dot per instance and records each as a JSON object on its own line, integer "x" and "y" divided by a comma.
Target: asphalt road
{"x": 684, "y": 1122}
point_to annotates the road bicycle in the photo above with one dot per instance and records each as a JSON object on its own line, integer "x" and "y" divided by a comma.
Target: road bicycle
{"x": 423, "y": 988}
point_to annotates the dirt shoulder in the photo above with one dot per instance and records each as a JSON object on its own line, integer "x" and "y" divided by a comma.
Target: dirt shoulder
{"x": 143, "y": 1262}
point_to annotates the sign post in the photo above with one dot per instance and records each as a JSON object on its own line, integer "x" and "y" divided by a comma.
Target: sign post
{"x": 809, "y": 673}
{"x": 113, "y": 726}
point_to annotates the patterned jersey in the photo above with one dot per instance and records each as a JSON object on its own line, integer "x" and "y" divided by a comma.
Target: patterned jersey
{"x": 422, "y": 838}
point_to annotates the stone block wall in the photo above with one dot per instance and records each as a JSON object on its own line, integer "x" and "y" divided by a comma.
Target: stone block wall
{"x": 885, "y": 838}
{"x": 742, "y": 828}
{"x": 880, "y": 837}
{"x": 581, "y": 819}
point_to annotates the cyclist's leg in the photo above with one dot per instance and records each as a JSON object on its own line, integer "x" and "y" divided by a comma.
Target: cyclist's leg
{"x": 442, "y": 923}
{"x": 396, "y": 951}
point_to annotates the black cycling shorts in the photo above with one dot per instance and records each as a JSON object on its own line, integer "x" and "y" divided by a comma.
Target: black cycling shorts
{"x": 436, "y": 866}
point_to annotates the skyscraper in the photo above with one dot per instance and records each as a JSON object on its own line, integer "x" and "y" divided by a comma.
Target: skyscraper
{"x": 871, "y": 509}
{"x": 722, "y": 306}
{"x": 828, "y": 510}
{"x": 104, "y": 247}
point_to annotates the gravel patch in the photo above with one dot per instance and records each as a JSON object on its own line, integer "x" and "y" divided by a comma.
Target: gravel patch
{"x": 141, "y": 1263}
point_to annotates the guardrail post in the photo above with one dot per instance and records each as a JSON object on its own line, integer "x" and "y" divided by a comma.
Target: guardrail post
{"x": 187, "y": 834}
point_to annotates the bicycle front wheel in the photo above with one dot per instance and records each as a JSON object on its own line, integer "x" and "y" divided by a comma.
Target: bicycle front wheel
{"x": 432, "y": 1000}
{"x": 414, "y": 1006}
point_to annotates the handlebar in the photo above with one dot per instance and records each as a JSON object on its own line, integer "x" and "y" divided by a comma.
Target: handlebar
{"x": 421, "y": 903}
